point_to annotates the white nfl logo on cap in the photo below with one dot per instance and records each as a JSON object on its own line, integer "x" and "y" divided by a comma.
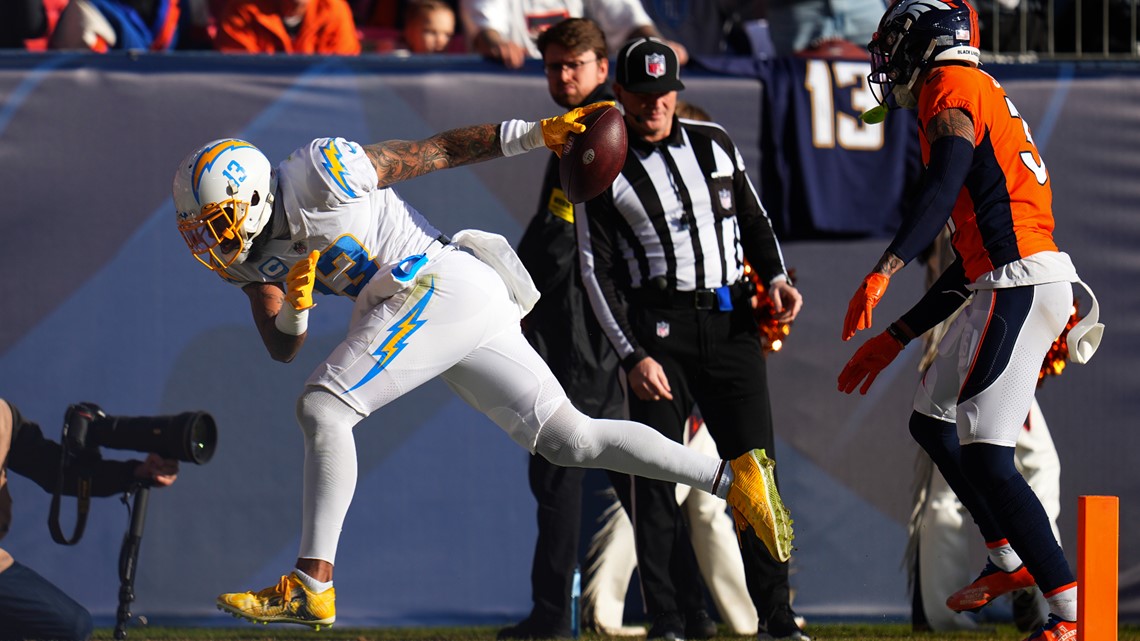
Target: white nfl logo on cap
{"x": 655, "y": 65}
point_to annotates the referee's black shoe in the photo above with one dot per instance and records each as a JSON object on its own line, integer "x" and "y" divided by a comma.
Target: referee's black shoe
{"x": 699, "y": 625}
{"x": 782, "y": 624}
{"x": 530, "y": 628}
{"x": 667, "y": 626}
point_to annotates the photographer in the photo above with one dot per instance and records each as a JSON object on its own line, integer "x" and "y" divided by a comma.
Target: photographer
{"x": 30, "y": 606}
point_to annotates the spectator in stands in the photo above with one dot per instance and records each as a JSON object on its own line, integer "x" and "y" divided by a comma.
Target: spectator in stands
{"x": 287, "y": 26}
{"x": 21, "y": 20}
{"x": 196, "y": 27}
{"x": 429, "y": 26}
{"x": 709, "y": 27}
{"x": 506, "y": 31}
{"x": 795, "y": 25}
{"x": 105, "y": 25}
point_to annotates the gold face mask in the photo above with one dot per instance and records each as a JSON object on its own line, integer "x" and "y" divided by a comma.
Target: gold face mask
{"x": 217, "y": 237}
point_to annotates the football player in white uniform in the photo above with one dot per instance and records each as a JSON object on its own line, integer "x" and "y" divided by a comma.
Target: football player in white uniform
{"x": 326, "y": 220}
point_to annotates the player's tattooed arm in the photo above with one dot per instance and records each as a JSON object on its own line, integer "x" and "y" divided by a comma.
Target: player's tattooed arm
{"x": 398, "y": 160}
{"x": 265, "y": 301}
{"x": 950, "y": 122}
{"x": 888, "y": 265}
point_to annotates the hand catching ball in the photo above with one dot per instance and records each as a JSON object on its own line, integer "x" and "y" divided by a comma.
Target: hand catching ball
{"x": 592, "y": 159}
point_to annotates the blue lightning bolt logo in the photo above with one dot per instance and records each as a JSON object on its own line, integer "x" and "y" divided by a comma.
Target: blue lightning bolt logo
{"x": 336, "y": 168}
{"x": 398, "y": 337}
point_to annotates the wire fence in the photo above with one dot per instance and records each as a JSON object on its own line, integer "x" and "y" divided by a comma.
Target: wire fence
{"x": 1025, "y": 30}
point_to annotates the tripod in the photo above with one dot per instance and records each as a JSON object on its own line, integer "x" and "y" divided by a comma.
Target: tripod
{"x": 129, "y": 556}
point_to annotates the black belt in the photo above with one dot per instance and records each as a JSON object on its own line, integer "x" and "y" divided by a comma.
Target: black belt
{"x": 697, "y": 299}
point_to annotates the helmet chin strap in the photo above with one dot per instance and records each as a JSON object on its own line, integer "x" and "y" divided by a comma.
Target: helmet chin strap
{"x": 272, "y": 195}
{"x": 904, "y": 97}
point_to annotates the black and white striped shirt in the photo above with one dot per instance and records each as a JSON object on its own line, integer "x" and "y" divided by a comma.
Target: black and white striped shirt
{"x": 682, "y": 210}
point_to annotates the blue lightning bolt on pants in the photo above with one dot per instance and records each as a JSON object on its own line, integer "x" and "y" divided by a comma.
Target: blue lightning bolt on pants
{"x": 458, "y": 322}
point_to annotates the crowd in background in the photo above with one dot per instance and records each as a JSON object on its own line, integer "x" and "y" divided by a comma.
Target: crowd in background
{"x": 504, "y": 30}
{"x": 498, "y": 29}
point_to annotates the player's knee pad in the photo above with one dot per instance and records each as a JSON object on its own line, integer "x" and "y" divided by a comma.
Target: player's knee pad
{"x": 318, "y": 408}
{"x": 562, "y": 439}
{"x": 988, "y": 466}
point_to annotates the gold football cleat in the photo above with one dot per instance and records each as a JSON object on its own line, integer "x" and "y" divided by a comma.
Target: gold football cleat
{"x": 756, "y": 502}
{"x": 287, "y": 602}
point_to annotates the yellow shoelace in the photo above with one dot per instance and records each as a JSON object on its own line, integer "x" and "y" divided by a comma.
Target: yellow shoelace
{"x": 282, "y": 588}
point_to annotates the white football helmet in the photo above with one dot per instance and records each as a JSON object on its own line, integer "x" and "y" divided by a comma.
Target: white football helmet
{"x": 223, "y": 196}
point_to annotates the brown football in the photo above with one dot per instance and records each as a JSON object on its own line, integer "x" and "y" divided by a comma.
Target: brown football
{"x": 592, "y": 159}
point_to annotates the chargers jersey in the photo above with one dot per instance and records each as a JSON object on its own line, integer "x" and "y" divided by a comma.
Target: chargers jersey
{"x": 825, "y": 173}
{"x": 1003, "y": 214}
{"x": 327, "y": 190}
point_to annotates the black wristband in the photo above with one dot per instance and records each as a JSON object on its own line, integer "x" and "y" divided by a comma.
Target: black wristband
{"x": 897, "y": 334}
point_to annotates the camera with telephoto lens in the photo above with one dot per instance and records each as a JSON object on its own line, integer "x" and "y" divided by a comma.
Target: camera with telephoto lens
{"x": 189, "y": 436}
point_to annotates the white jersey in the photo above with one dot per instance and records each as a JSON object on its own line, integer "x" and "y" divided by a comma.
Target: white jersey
{"x": 328, "y": 192}
{"x": 520, "y": 21}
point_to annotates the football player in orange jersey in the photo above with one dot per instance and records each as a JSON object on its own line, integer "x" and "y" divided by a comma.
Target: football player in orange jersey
{"x": 986, "y": 180}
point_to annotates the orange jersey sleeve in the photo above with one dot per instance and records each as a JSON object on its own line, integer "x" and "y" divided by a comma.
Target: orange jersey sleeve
{"x": 328, "y": 29}
{"x": 255, "y": 26}
{"x": 1005, "y": 210}
{"x": 251, "y": 26}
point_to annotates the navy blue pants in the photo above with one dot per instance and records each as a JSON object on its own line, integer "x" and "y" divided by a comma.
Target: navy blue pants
{"x": 32, "y": 608}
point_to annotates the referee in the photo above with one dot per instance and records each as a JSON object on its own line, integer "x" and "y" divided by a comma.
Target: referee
{"x": 662, "y": 257}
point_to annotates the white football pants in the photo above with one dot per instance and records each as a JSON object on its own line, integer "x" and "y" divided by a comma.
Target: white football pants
{"x": 458, "y": 322}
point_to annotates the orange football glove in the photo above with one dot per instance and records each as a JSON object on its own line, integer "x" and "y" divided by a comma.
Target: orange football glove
{"x": 868, "y": 361}
{"x": 557, "y": 129}
{"x": 865, "y": 298}
{"x": 299, "y": 283}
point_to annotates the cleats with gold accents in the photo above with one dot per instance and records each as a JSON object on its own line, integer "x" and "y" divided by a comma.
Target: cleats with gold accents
{"x": 287, "y": 602}
{"x": 755, "y": 502}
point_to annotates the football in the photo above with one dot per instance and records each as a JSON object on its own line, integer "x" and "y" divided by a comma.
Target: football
{"x": 592, "y": 159}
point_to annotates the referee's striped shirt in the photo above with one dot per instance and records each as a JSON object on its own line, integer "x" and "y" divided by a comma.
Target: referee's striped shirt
{"x": 682, "y": 210}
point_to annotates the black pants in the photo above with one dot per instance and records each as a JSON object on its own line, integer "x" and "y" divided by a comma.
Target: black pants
{"x": 713, "y": 360}
{"x": 558, "y": 491}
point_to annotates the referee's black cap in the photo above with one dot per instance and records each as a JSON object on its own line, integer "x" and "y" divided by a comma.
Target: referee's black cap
{"x": 648, "y": 65}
